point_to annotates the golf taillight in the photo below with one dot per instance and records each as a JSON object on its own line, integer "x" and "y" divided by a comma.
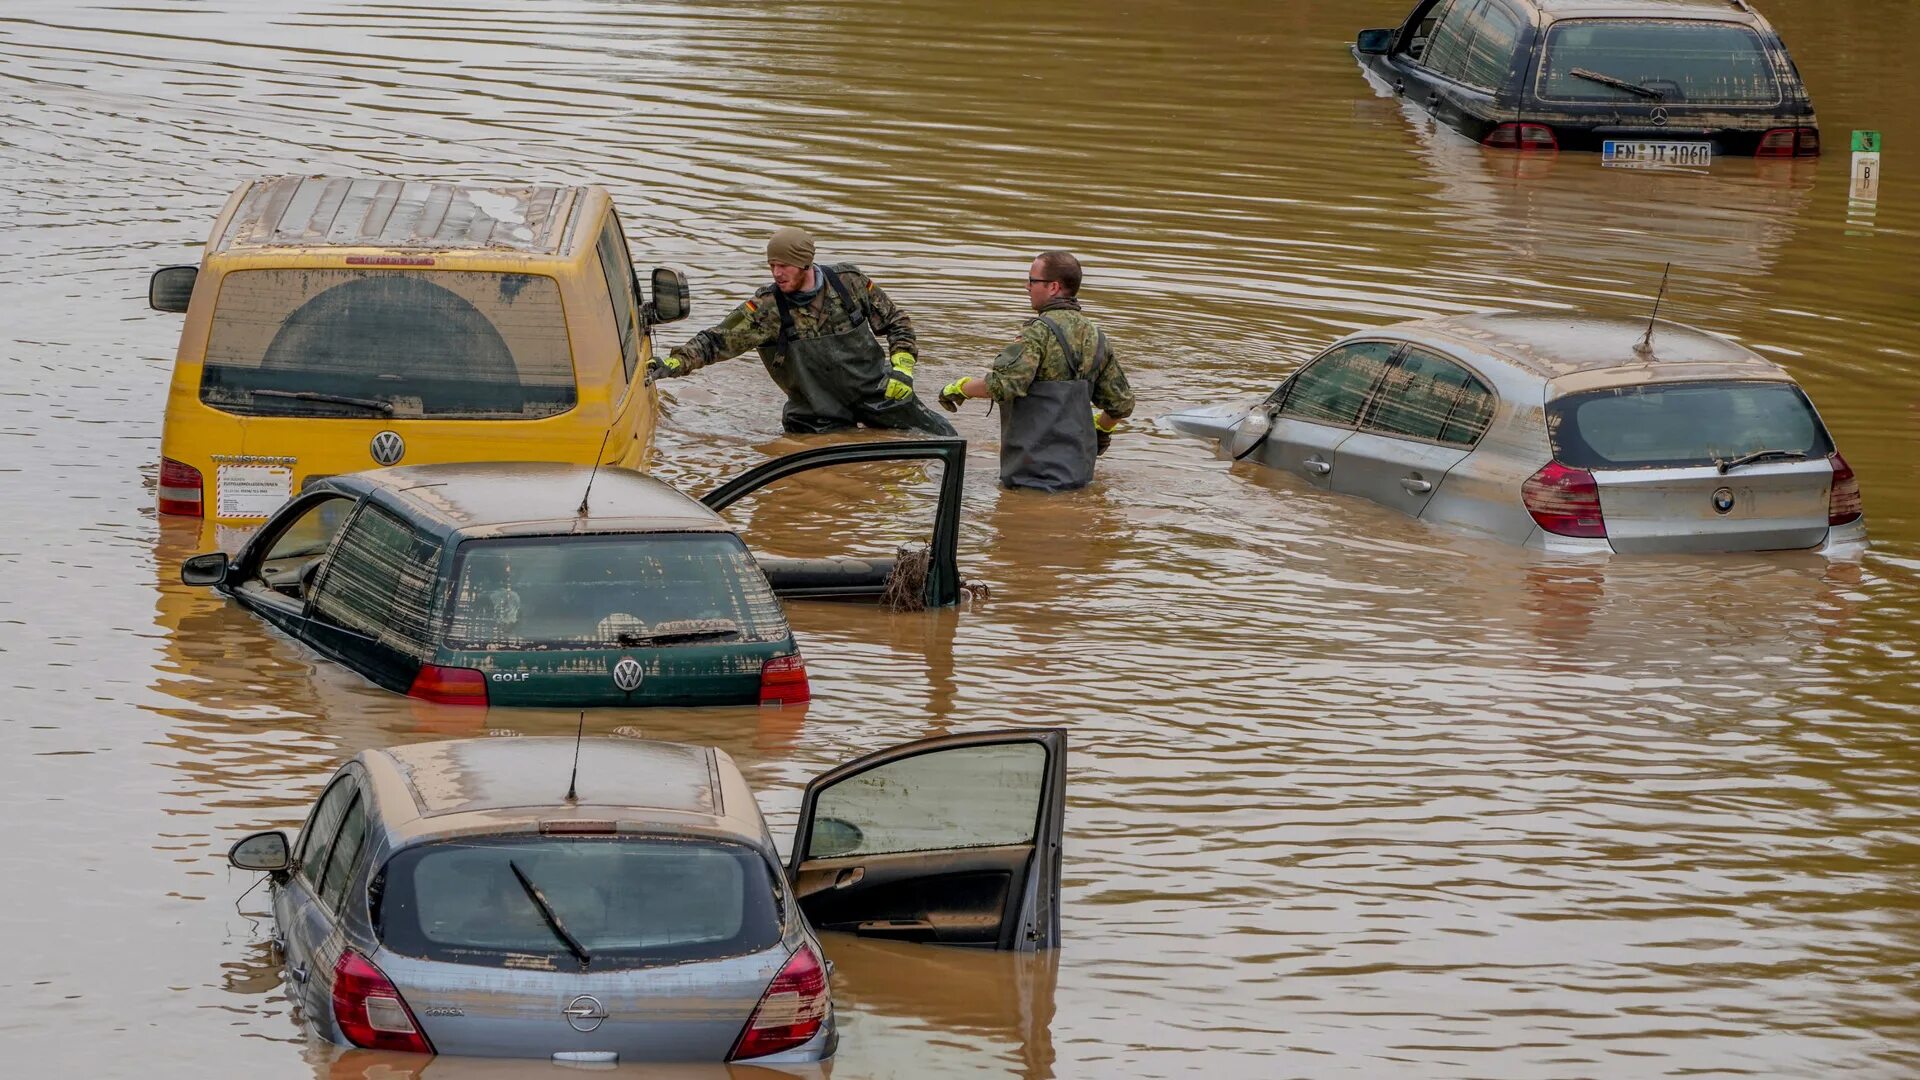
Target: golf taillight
{"x": 449, "y": 685}
{"x": 180, "y": 488}
{"x": 1789, "y": 142}
{"x": 1518, "y": 136}
{"x": 1843, "y": 499}
{"x": 783, "y": 681}
{"x": 791, "y": 1011}
{"x": 1564, "y": 501}
{"x": 370, "y": 1011}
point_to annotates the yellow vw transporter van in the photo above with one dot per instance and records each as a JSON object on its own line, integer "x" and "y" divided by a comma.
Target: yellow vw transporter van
{"x": 336, "y": 324}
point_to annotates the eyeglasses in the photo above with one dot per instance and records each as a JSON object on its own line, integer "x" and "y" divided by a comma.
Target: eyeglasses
{"x": 1040, "y": 280}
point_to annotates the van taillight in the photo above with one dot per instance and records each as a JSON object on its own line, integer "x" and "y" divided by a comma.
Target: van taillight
{"x": 1564, "y": 501}
{"x": 1843, "y": 499}
{"x": 1513, "y": 136}
{"x": 1789, "y": 142}
{"x": 180, "y": 488}
{"x": 790, "y": 1012}
{"x": 783, "y": 681}
{"x": 370, "y": 1012}
{"x": 449, "y": 685}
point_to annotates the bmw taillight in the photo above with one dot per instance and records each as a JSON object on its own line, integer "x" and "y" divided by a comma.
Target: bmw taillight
{"x": 783, "y": 681}
{"x": 1517, "y": 136}
{"x": 1789, "y": 142}
{"x": 370, "y": 1011}
{"x": 180, "y": 488}
{"x": 1843, "y": 499}
{"x": 1564, "y": 501}
{"x": 791, "y": 1011}
{"x": 450, "y": 685}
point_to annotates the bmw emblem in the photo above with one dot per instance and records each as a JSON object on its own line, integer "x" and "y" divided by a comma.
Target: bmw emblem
{"x": 627, "y": 674}
{"x": 584, "y": 1013}
{"x": 1723, "y": 501}
{"x": 1659, "y": 116}
{"x": 388, "y": 448}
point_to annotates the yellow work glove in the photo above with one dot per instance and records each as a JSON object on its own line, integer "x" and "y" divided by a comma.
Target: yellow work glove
{"x": 900, "y": 379}
{"x": 665, "y": 367}
{"x": 1105, "y": 429}
{"x": 1102, "y": 433}
{"x": 952, "y": 394}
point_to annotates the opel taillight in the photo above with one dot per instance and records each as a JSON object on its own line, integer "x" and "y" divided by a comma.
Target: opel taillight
{"x": 1843, "y": 499}
{"x": 370, "y": 1011}
{"x": 1789, "y": 142}
{"x": 180, "y": 488}
{"x": 1516, "y": 136}
{"x": 783, "y": 681}
{"x": 450, "y": 685}
{"x": 791, "y": 1011}
{"x": 1564, "y": 501}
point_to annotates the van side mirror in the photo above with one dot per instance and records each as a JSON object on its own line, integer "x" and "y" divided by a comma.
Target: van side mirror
{"x": 208, "y": 569}
{"x": 264, "y": 851}
{"x": 1373, "y": 42}
{"x": 670, "y": 298}
{"x": 171, "y": 287}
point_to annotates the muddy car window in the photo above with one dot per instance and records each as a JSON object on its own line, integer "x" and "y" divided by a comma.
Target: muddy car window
{"x": 1419, "y": 397}
{"x": 346, "y": 854}
{"x": 1683, "y": 424}
{"x": 618, "y": 272}
{"x": 400, "y": 343}
{"x": 1686, "y": 63}
{"x": 975, "y": 796}
{"x": 1495, "y": 33}
{"x": 316, "y": 840}
{"x": 1332, "y": 389}
{"x": 380, "y": 582}
{"x": 1446, "y": 51}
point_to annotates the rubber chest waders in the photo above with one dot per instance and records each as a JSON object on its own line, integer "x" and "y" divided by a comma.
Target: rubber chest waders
{"x": 835, "y": 381}
{"x": 1046, "y": 435}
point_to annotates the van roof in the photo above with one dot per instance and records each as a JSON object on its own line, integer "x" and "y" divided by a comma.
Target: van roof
{"x": 370, "y": 212}
{"x": 1734, "y": 11}
{"x": 530, "y": 498}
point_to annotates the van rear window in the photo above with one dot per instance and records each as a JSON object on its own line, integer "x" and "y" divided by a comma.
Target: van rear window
{"x": 1677, "y": 425}
{"x": 388, "y": 343}
{"x": 1683, "y": 63}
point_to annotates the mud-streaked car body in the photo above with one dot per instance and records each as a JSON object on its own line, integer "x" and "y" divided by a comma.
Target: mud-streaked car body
{"x": 1565, "y": 432}
{"x": 619, "y": 900}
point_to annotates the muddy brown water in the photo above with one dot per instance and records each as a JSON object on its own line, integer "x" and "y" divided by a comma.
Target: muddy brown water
{"x": 1351, "y": 796}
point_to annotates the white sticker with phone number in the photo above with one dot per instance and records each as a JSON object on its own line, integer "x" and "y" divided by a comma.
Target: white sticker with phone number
{"x": 251, "y": 491}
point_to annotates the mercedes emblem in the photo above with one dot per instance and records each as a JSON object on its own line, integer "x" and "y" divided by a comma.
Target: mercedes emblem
{"x": 1659, "y": 116}
{"x": 584, "y": 1013}
{"x": 388, "y": 448}
{"x": 1723, "y": 501}
{"x": 627, "y": 674}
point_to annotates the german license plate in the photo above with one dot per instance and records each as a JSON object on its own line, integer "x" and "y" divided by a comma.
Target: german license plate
{"x": 1642, "y": 152}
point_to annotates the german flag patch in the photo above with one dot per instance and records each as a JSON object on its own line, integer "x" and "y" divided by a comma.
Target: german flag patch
{"x": 751, "y": 307}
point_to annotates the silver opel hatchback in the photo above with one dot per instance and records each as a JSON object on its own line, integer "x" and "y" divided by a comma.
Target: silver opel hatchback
{"x": 1568, "y": 433}
{"x": 615, "y": 900}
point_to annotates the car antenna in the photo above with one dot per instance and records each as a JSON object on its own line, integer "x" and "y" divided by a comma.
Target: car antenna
{"x": 582, "y": 512}
{"x": 1645, "y": 348}
{"x": 573, "y": 796}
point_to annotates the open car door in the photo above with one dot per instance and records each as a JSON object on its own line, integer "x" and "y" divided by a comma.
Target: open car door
{"x": 954, "y": 839}
{"x": 856, "y": 578}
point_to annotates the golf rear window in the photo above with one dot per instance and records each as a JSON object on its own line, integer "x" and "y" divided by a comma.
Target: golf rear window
{"x": 625, "y": 901}
{"x": 1674, "y": 62}
{"x": 388, "y": 344}
{"x": 611, "y": 591}
{"x": 1674, "y": 425}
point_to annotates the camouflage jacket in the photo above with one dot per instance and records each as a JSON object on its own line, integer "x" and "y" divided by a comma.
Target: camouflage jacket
{"x": 1037, "y": 355}
{"x": 756, "y": 323}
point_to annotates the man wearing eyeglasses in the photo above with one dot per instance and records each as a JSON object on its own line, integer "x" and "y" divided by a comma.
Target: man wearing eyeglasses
{"x": 817, "y": 329}
{"x": 1060, "y": 390}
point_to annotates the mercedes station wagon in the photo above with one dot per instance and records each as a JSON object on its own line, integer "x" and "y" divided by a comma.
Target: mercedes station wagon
{"x": 1645, "y": 82}
{"x": 537, "y": 583}
{"x": 1562, "y": 432}
{"x": 614, "y": 900}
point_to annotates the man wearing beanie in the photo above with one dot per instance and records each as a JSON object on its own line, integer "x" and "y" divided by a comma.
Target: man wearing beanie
{"x": 817, "y": 329}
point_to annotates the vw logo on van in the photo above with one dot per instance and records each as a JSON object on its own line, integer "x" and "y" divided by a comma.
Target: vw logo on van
{"x": 388, "y": 448}
{"x": 627, "y": 674}
{"x": 1723, "y": 501}
{"x": 584, "y": 1013}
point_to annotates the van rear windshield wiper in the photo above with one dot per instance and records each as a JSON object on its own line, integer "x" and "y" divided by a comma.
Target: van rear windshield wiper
{"x": 377, "y": 405}
{"x": 1726, "y": 465}
{"x": 1617, "y": 83}
{"x": 553, "y": 918}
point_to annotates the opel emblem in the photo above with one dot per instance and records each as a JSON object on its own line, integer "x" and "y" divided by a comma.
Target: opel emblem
{"x": 1659, "y": 116}
{"x": 627, "y": 674}
{"x": 388, "y": 448}
{"x": 1723, "y": 501}
{"x": 584, "y": 1013}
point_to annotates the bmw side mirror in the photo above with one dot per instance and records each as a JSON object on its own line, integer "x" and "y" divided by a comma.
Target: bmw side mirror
{"x": 171, "y": 287}
{"x": 1373, "y": 42}
{"x": 208, "y": 569}
{"x": 263, "y": 851}
{"x": 670, "y": 299}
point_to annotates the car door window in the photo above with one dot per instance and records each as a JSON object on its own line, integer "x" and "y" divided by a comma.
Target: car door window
{"x": 292, "y": 555}
{"x": 618, "y": 270}
{"x": 979, "y": 796}
{"x": 345, "y": 856}
{"x": 380, "y": 582}
{"x": 1420, "y": 397}
{"x": 316, "y": 840}
{"x": 1415, "y": 42}
{"x": 1333, "y": 388}
{"x": 1446, "y": 51}
{"x": 1489, "y": 56}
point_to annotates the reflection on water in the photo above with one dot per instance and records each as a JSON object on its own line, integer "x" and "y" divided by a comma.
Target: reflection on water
{"x": 1349, "y": 794}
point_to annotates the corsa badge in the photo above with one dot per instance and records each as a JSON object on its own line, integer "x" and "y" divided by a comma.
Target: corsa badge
{"x": 627, "y": 674}
{"x": 388, "y": 448}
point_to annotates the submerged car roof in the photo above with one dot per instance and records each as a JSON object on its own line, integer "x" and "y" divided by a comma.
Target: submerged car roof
{"x": 1713, "y": 10}
{"x": 531, "y": 498}
{"x": 370, "y": 212}
{"x": 1576, "y": 351}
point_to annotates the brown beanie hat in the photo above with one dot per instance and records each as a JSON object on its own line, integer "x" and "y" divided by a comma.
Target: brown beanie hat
{"x": 791, "y": 246}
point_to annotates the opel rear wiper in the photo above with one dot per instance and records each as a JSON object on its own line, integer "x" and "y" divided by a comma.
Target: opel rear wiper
{"x": 1617, "y": 83}
{"x": 553, "y": 919}
{"x": 1727, "y": 465}
{"x": 377, "y": 405}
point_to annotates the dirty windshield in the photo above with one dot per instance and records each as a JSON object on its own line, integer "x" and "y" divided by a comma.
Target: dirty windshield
{"x": 562, "y": 592}
{"x": 515, "y": 902}
{"x": 1684, "y": 63}
{"x": 1683, "y": 424}
{"x": 388, "y": 343}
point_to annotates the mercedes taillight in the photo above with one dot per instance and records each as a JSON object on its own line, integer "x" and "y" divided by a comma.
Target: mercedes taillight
{"x": 370, "y": 1011}
{"x": 180, "y": 488}
{"x": 783, "y": 681}
{"x": 791, "y": 1012}
{"x": 1516, "y": 136}
{"x": 449, "y": 685}
{"x": 1843, "y": 499}
{"x": 1564, "y": 501}
{"x": 1789, "y": 142}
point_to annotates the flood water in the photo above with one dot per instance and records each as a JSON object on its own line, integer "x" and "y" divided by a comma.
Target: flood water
{"x": 1350, "y": 795}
